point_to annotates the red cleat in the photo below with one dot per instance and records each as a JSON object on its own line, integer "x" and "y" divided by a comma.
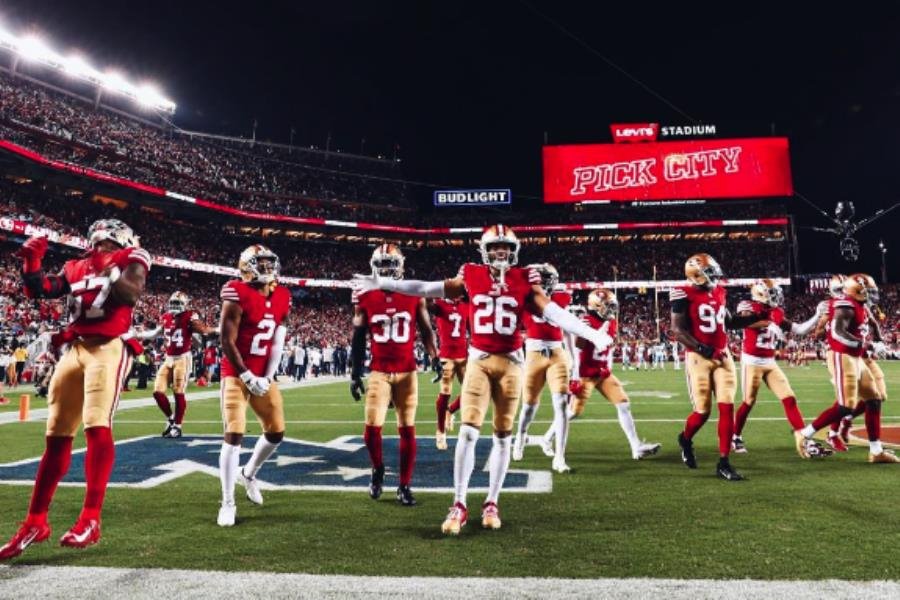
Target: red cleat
{"x": 83, "y": 533}
{"x": 24, "y": 537}
{"x": 837, "y": 443}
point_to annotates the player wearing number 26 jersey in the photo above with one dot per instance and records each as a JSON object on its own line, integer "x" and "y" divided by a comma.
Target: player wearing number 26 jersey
{"x": 391, "y": 321}
{"x": 102, "y": 288}
{"x": 699, "y": 321}
{"x": 499, "y": 293}
{"x": 252, "y": 334}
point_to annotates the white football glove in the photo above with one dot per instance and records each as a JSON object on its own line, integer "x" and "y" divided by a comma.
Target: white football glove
{"x": 258, "y": 386}
{"x": 822, "y": 308}
{"x": 366, "y": 283}
{"x": 879, "y": 349}
{"x": 776, "y": 331}
{"x": 600, "y": 339}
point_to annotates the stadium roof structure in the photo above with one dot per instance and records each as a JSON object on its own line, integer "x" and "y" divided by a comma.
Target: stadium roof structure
{"x": 32, "y": 48}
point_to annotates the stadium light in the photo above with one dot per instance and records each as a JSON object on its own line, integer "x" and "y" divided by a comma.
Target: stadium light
{"x": 34, "y": 49}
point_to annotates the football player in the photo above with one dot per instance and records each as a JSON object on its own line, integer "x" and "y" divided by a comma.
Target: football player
{"x": 847, "y": 332}
{"x": 758, "y": 363}
{"x": 390, "y": 320}
{"x": 252, "y": 334}
{"x": 179, "y": 324}
{"x": 102, "y": 288}
{"x": 700, "y": 318}
{"x": 499, "y": 293}
{"x": 549, "y": 358}
{"x": 593, "y": 372}
{"x": 452, "y": 319}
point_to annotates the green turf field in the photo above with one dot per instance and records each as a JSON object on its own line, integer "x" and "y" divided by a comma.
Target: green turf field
{"x": 612, "y": 517}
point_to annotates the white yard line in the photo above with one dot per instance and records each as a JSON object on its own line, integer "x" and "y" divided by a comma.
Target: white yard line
{"x": 100, "y": 582}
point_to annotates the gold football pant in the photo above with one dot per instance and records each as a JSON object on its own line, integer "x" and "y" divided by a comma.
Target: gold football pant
{"x": 401, "y": 389}
{"x": 177, "y": 368}
{"x": 497, "y": 378}
{"x": 551, "y": 368}
{"x": 610, "y": 387}
{"x": 752, "y": 377}
{"x": 451, "y": 367}
{"x": 851, "y": 378}
{"x": 269, "y": 408}
{"x": 706, "y": 378}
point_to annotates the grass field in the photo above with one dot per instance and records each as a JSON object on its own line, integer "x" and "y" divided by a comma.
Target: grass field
{"x": 612, "y": 517}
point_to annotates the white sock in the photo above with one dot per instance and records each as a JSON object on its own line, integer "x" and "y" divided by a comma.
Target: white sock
{"x": 228, "y": 466}
{"x": 526, "y": 416}
{"x": 560, "y": 425}
{"x": 261, "y": 453}
{"x": 626, "y": 421}
{"x": 808, "y": 431}
{"x": 498, "y": 464}
{"x": 464, "y": 461}
{"x": 875, "y": 447}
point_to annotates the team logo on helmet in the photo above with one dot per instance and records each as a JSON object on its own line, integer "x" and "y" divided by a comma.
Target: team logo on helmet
{"x": 549, "y": 276}
{"x": 862, "y": 288}
{"x": 703, "y": 270}
{"x": 387, "y": 261}
{"x": 258, "y": 264}
{"x": 113, "y": 230}
{"x": 836, "y": 285}
{"x": 178, "y": 302}
{"x": 766, "y": 291}
{"x": 496, "y": 235}
{"x": 603, "y": 303}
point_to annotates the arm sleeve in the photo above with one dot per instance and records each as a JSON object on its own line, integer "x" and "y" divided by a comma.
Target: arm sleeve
{"x": 415, "y": 287}
{"x": 806, "y": 326}
{"x": 38, "y": 285}
{"x": 276, "y": 351}
{"x": 150, "y": 334}
{"x": 358, "y": 351}
{"x": 572, "y": 324}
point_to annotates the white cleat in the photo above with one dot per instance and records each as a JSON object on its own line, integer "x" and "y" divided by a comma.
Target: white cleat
{"x": 644, "y": 450}
{"x": 449, "y": 422}
{"x": 252, "y": 487}
{"x": 518, "y": 449}
{"x": 560, "y": 466}
{"x": 547, "y": 446}
{"x": 227, "y": 512}
{"x": 440, "y": 440}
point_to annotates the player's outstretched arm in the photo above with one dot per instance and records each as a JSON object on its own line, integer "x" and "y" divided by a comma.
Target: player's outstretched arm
{"x": 446, "y": 288}
{"x": 35, "y": 283}
{"x": 744, "y": 320}
{"x": 542, "y": 306}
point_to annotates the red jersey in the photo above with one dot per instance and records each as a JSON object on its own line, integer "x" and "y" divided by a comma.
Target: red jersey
{"x": 261, "y": 316}
{"x": 759, "y": 342}
{"x": 392, "y": 329}
{"x": 92, "y": 312}
{"x": 452, "y": 320}
{"x": 859, "y": 326}
{"x": 210, "y": 356}
{"x": 705, "y": 310}
{"x": 495, "y": 311}
{"x": 178, "y": 330}
{"x": 590, "y": 361}
{"x": 537, "y": 328}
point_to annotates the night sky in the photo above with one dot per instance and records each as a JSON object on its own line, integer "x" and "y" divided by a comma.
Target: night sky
{"x": 467, "y": 89}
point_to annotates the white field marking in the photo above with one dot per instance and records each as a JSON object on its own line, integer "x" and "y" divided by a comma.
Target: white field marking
{"x": 574, "y": 421}
{"x": 40, "y": 414}
{"x": 105, "y": 582}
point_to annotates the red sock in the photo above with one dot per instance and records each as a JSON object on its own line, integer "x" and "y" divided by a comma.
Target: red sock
{"x": 873, "y": 419}
{"x": 726, "y": 428}
{"x": 861, "y": 408}
{"x": 407, "y": 453}
{"x": 98, "y": 465}
{"x": 372, "y": 436}
{"x": 162, "y": 401}
{"x": 441, "y": 406}
{"x": 693, "y": 424}
{"x": 180, "y": 408}
{"x": 830, "y": 415}
{"x": 54, "y": 465}
{"x": 740, "y": 419}
{"x": 454, "y": 406}
{"x": 794, "y": 417}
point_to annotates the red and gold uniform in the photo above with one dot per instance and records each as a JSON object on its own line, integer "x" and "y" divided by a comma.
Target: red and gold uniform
{"x": 452, "y": 320}
{"x": 593, "y": 367}
{"x": 850, "y": 375}
{"x": 495, "y": 359}
{"x": 86, "y": 383}
{"x": 758, "y": 355}
{"x": 260, "y": 317}
{"x": 178, "y": 330}
{"x": 392, "y": 325}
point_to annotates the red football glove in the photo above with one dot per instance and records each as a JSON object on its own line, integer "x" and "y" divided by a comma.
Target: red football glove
{"x": 32, "y": 253}
{"x": 575, "y": 387}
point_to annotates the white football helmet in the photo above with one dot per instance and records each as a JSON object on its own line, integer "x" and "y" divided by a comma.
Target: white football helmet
{"x": 179, "y": 302}
{"x": 387, "y": 261}
{"x": 766, "y": 291}
{"x": 258, "y": 264}
{"x": 603, "y": 303}
{"x": 113, "y": 230}
{"x": 549, "y": 276}
{"x": 836, "y": 285}
{"x": 499, "y": 234}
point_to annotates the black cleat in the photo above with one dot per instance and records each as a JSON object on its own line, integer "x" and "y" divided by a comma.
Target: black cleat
{"x": 377, "y": 482}
{"x": 687, "y": 451}
{"x": 170, "y": 423}
{"x": 725, "y": 471}
{"x": 405, "y": 496}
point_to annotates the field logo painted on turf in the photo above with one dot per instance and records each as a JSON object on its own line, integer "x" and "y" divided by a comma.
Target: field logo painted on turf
{"x": 339, "y": 465}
